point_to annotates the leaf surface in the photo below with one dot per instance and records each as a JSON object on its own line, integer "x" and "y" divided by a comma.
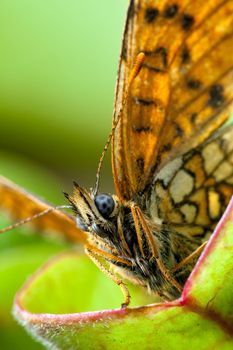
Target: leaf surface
{"x": 57, "y": 305}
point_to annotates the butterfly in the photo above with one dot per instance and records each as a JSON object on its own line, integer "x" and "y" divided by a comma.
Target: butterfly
{"x": 172, "y": 154}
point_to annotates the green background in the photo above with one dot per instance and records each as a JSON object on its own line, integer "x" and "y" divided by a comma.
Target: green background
{"x": 58, "y": 67}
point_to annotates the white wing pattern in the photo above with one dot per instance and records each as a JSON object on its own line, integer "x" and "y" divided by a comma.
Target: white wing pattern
{"x": 192, "y": 191}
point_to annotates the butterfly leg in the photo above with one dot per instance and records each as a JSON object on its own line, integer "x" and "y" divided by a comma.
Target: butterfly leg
{"x": 122, "y": 237}
{"x": 190, "y": 257}
{"x": 94, "y": 254}
{"x": 140, "y": 222}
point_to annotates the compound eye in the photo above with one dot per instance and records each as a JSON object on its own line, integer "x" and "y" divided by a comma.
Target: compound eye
{"x": 105, "y": 204}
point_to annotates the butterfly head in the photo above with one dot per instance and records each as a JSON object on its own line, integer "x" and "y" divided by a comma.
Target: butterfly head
{"x": 94, "y": 213}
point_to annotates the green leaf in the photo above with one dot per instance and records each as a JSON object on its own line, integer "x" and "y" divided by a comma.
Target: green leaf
{"x": 16, "y": 264}
{"x": 201, "y": 319}
{"x": 22, "y": 252}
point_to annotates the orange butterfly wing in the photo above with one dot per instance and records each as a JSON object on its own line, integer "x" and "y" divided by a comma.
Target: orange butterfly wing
{"x": 191, "y": 192}
{"x": 21, "y": 204}
{"x": 184, "y": 91}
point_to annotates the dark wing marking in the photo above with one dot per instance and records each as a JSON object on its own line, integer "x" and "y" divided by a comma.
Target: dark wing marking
{"x": 192, "y": 192}
{"x": 184, "y": 91}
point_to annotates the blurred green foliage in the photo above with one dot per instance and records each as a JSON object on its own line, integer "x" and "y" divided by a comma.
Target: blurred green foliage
{"x": 58, "y": 68}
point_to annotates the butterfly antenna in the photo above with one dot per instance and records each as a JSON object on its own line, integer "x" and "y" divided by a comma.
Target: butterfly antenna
{"x": 36, "y": 216}
{"x": 134, "y": 72}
